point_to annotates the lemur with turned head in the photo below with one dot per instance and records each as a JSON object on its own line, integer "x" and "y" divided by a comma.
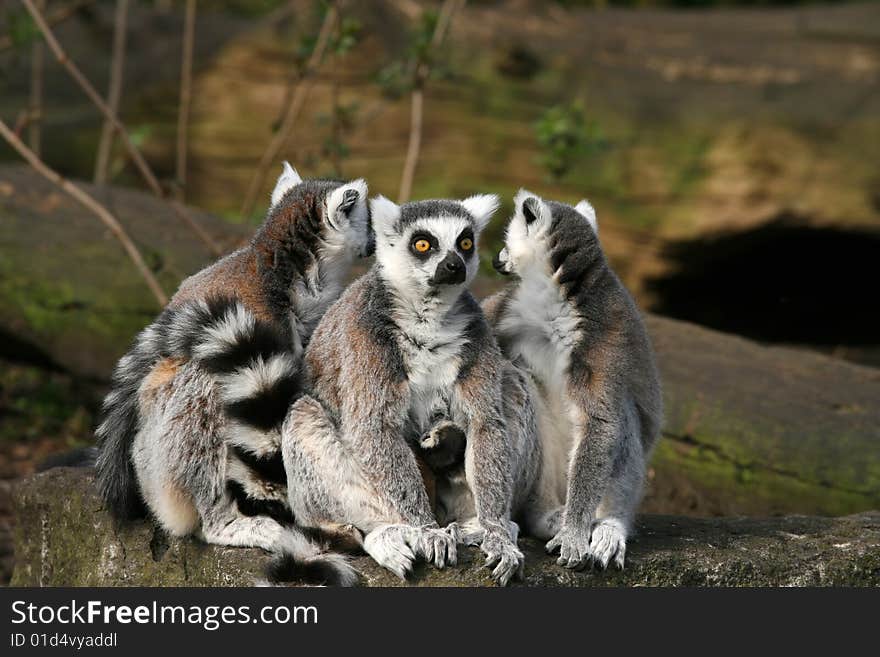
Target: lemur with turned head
{"x": 591, "y": 390}
{"x": 191, "y": 426}
{"x": 571, "y": 324}
{"x": 404, "y": 351}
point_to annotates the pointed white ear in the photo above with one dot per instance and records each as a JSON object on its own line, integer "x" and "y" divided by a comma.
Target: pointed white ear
{"x": 385, "y": 214}
{"x": 530, "y": 206}
{"x": 288, "y": 178}
{"x": 481, "y": 207}
{"x": 344, "y": 199}
{"x": 584, "y": 208}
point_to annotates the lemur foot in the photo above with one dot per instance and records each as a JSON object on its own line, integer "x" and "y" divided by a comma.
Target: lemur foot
{"x": 443, "y": 445}
{"x": 391, "y": 546}
{"x": 502, "y": 553}
{"x": 438, "y": 546}
{"x": 608, "y": 540}
{"x": 574, "y": 547}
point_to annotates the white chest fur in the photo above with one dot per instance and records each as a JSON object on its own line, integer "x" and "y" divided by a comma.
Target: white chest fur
{"x": 541, "y": 327}
{"x": 431, "y": 345}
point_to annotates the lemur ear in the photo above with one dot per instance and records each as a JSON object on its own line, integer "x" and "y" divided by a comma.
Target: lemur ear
{"x": 343, "y": 200}
{"x": 385, "y": 214}
{"x": 586, "y": 210}
{"x": 530, "y": 205}
{"x": 481, "y": 207}
{"x": 288, "y": 178}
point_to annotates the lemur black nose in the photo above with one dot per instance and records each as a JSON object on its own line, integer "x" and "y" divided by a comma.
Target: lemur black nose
{"x": 450, "y": 270}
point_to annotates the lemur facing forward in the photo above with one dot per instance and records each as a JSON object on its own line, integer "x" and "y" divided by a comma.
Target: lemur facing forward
{"x": 405, "y": 345}
{"x": 191, "y": 425}
{"x": 571, "y": 324}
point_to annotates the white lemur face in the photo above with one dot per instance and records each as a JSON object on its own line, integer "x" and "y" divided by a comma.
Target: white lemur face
{"x": 528, "y": 243}
{"x": 429, "y": 245}
{"x": 345, "y": 231}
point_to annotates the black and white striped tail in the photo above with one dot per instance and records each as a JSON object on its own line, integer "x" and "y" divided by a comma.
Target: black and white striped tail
{"x": 114, "y": 471}
{"x": 258, "y": 377}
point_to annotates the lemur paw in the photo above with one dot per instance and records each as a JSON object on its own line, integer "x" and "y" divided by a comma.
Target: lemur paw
{"x": 390, "y": 547}
{"x": 502, "y": 553}
{"x": 608, "y": 540}
{"x": 438, "y": 546}
{"x": 574, "y": 547}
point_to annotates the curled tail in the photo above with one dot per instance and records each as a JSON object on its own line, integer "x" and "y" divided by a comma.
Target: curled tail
{"x": 303, "y": 558}
{"x": 258, "y": 377}
{"x": 251, "y": 358}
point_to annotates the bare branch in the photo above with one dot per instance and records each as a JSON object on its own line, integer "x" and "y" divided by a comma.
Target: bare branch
{"x": 420, "y": 71}
{"x": 117, "y": 67}
{"x": 413, "y": 146}
{"x": 135, "y": 154}
{"x": 186, "y": 62}
{"x": 292, "y": 113}
{"x": 90, "y": 203}
{"x": 35, "y": 106}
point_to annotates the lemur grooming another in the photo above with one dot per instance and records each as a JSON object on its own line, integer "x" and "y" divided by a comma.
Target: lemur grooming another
{"x": 569, "y": 322}
{"x": 405, "y": 345}
{"x": 191, "y": 426}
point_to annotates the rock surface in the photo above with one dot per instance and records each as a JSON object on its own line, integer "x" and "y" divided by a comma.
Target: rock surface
{"x": 69, "y": 295}
{"x": 64, "y": 538}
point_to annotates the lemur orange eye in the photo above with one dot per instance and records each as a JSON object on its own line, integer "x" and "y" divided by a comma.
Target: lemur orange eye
{"x": 421, "y": 245}
{"x": 466, "y": 244}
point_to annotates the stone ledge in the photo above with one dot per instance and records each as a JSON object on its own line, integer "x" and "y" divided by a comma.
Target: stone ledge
{"x": 64, "y": 538}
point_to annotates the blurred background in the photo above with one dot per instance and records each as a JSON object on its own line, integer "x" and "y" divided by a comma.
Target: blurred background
{"x": 731, "y": 149}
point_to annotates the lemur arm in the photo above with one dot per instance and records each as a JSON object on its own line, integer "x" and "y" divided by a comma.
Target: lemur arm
{"x": 374, "y": 409}
{"x": 488, "y": 459}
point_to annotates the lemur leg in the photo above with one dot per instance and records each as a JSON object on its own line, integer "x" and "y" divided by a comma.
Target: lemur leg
{"x": 616, "y": 512}
{"x": 327, "y": 487}
{"x": 599, "y": 428}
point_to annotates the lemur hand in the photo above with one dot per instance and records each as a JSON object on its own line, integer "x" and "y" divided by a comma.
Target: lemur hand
{"x": 438, "y": 546}
{"x": 502, "y": 553}
{"x": 573, "y": 542}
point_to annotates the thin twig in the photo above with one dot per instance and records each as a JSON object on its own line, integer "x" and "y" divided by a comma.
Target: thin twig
{"x": 135, "y": 154}
{"x": 35, "y": 106}
{"x": 186, "y": 62}
{"x": 91, "y": 204}
{"x": 292, "y": 113}
{"x": 413, "y": 145}
{"x": 420, "y": 72}
{"x": 117, "y": 68}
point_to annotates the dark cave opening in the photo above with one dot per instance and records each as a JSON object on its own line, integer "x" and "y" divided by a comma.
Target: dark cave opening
{"x": 784, "y": 282}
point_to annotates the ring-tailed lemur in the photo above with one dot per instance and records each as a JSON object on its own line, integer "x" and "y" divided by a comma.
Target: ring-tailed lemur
{"x": 405, "y": 344}
{"x": 191, "y": 425}
{"x": 569, "y": 321}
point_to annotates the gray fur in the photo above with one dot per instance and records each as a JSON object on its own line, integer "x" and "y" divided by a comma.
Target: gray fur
{"x": 187, "y": 417}
{"x": 572, "y": 325}
{"x": 386, "y": 356}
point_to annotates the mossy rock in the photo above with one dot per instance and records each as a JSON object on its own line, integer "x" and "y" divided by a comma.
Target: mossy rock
{"x": 69, "y": 296}
{"x": 63, "y": 537}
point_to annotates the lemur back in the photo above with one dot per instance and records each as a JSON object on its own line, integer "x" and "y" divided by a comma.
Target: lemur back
{"x": 569, "y": 322}
{"x": 226, "y": 353}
